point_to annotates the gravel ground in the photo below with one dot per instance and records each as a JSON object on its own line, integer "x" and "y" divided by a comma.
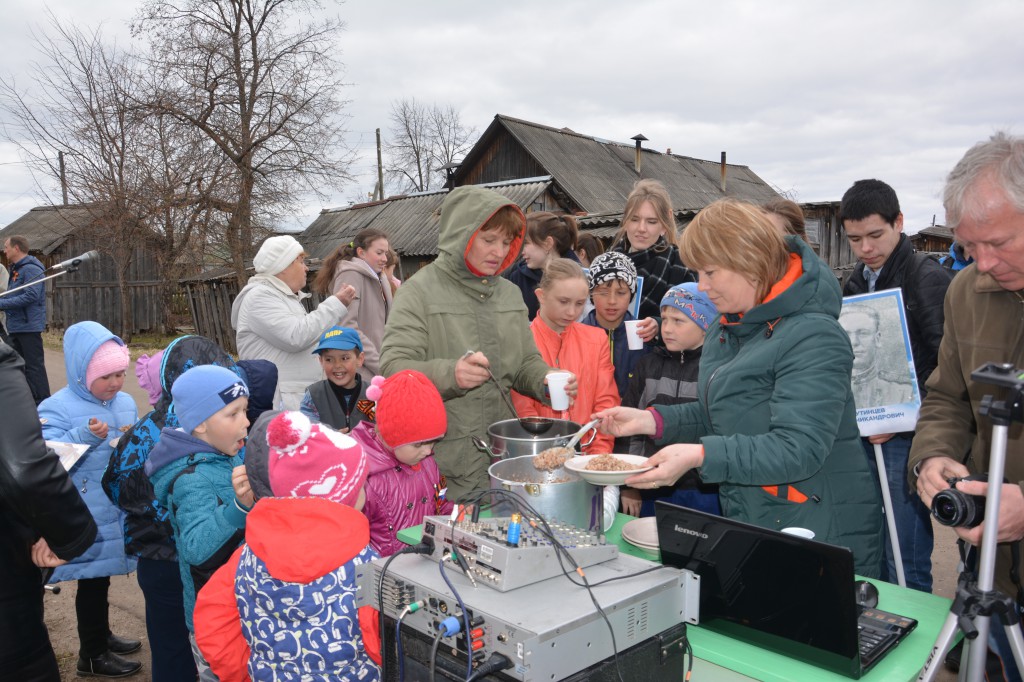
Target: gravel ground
{"x": 127, "y": 608}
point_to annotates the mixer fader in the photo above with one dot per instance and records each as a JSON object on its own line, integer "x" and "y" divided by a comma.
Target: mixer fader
{"x": 505, "y": 553}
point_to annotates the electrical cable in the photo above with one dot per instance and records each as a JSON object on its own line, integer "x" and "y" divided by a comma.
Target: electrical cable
{"x": 465, "y": 617}
{"x": 496, "y": 663}
{"x": 425, "y": 547}
{"x": 433, "y": 656}
{"x": 411, "y": 608}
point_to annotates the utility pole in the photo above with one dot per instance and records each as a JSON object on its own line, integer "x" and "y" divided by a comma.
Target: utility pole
{"x": 380, "y": 170}
{"x": 63, "y": 178}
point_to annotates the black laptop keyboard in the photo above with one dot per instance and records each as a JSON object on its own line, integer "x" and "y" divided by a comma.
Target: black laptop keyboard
{"x": 878, "y": 632}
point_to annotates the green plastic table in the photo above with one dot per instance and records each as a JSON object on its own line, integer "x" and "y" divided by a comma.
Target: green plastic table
{"x": 723, "y": 658}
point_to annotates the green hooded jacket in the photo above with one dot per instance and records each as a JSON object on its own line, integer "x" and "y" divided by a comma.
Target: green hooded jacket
{"x": 445, "y": 310}
{"x": 775, "y": 408}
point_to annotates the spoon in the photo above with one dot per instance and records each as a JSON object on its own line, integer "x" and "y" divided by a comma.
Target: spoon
{"x": 534, "y": 425}
{"x": 571, "y": 445}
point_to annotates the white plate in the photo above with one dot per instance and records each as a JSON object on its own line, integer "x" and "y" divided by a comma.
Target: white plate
{"x": 579, "y": 466}
{"x": 642, "y": 533}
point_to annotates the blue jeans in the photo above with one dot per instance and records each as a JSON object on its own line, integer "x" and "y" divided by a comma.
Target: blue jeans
{"x": 913, "y": 519}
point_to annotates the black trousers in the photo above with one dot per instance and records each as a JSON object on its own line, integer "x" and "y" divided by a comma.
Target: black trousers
{"x": 25, "y": 651}
{"x": 165, "y": 621}
{"x": 93, "y": 616}
{"x": 30, "y": 347}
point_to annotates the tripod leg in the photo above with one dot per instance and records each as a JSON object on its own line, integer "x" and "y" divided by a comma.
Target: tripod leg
{"x": 1013, "y": 633}
{"x": 942, "y": 643}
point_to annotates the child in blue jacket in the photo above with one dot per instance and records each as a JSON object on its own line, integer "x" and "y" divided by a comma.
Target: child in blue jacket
{"x": 199, "y": 478}
{"x": 92, "y": 410}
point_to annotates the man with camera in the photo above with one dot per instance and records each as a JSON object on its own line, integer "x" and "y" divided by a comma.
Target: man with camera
{"x": 984, "y": 322}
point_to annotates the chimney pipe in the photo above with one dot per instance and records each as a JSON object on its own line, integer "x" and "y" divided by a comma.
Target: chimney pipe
{"x": 723, "y": 172}
{"x": 636, "y": 162}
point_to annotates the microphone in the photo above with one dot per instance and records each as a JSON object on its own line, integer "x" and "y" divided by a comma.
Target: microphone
{"x": 72, "y": 263}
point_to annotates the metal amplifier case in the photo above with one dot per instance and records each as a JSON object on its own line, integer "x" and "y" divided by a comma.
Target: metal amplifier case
{"x": 550, "y": 629}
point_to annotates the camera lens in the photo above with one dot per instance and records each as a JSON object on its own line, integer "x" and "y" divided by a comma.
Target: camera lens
{"x": 953, "y": 508}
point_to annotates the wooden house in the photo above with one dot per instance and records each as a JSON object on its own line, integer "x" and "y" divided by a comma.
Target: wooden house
{"x": 58, "y": 233}
{"x": 935, "y": 239}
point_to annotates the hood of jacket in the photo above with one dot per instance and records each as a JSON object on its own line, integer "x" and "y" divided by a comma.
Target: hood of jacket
{"x": 463, "y": 213}
{"x": 15, "y": 267}
{"x": 815, "y": 290}
{"x": 174, "y": 445}
{"x": 359, "y": 266}
{"x": 276, "y": 526}
{"x": 81, "y": 341}
{"x": 379, "y": 457}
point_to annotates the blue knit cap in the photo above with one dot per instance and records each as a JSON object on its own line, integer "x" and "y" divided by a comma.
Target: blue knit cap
{"x": 692, "y": 302}
{"x": 204, "y": 390}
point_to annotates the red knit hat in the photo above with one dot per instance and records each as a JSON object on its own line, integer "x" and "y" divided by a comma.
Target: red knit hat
{"x": 409, "y": 408}
{"x": 313, "y": 460}
{"x": 111, "y": 356}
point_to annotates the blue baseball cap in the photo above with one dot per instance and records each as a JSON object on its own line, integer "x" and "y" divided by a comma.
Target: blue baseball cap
{"x": 339, "y": 338}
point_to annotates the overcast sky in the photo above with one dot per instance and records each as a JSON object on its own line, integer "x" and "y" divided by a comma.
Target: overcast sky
{"x": 810, "y": 95}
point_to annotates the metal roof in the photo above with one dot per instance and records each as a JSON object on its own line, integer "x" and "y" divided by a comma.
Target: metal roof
{"x": 409, "y": 221}
{"x": 47, "y": 227}
{"x": 598, "y": 174}
{"x": 940, "y": 231}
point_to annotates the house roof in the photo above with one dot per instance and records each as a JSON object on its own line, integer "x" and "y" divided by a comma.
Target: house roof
{"x": 940, "y": 231}
{"x": 47, "y": 227}
{"x": 409, "y": 221}
{"x": 599, "y": 174}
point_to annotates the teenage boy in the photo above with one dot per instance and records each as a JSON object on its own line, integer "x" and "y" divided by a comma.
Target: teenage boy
{"x": 336, "y": 400}
{"x": 612, "y": 286}
{"x": 668, "y": 376}
{"x": 199, "y": 478}
{"x": 870, "y": 214}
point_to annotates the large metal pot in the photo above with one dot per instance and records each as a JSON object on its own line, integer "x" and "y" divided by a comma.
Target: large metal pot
{"x": 558, "y": 495}
{"x": 509, "y": 439}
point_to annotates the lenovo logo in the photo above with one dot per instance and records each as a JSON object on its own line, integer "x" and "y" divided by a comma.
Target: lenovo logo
{"x": 690, "y": 531}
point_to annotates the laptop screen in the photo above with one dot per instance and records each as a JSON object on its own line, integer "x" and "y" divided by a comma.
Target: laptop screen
{"x": 778, "y": 591}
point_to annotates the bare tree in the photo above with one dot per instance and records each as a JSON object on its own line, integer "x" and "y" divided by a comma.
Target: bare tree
{"x": 423, "y": 140}
{"x": 257, "y": 78}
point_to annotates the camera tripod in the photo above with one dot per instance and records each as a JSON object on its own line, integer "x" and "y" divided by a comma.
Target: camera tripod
{"x": 976, "y": 601}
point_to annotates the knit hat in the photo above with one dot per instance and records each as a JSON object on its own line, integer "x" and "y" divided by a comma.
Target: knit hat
{"x": 693, "y": 302}
{"x": 147, "y": 369}
{"x": 612, "y": 265}
{"x": 276, "y": 254}
{"x": 339, "y": 338}
{"x": 204, "y": 390}
{"x": 314, "y": 460}
{"x": 112, "y": 356}
{"x": 409, "y": 408}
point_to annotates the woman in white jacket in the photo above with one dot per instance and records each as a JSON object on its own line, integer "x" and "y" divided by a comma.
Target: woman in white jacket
{"x": 271, "y": 323}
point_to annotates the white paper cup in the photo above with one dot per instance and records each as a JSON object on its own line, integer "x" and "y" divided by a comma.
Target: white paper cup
{"x": 799, "y": 532}
{"x": 556, "y": 388}
{"x": 633, "y": 335}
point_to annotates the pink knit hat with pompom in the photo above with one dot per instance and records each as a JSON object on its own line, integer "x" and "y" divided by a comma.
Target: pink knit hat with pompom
{"x": 313, "y": 460}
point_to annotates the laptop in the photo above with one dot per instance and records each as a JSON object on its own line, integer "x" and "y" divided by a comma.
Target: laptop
{"x": 778, "y": 591}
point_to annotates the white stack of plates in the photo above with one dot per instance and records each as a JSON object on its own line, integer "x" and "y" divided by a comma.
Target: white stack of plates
{"x": 642, "y": 533}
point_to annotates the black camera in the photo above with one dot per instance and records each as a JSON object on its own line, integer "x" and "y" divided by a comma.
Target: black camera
{"x": 951, "y": 507}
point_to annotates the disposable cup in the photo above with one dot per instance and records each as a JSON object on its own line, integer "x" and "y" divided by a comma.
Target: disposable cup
{"x": 633, "y": 335}
{"x": 799, "y": 532}
{"x": 556, "y": 388}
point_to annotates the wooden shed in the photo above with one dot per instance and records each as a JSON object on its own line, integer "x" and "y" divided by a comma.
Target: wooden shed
{"x": 935, "y": 238}
{"x": 58, "y": 233}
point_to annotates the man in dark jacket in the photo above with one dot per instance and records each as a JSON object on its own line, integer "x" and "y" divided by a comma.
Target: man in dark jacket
{"x": 26, "y": 313}
{"x": 870, "y": 215}
{"x": 36, "y": 499}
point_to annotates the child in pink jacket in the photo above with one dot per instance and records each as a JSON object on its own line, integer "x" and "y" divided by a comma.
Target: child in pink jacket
{"x": 404, "y": 483}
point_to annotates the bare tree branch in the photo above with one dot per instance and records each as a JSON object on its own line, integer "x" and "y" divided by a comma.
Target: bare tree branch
{"x": 423, "y": 140}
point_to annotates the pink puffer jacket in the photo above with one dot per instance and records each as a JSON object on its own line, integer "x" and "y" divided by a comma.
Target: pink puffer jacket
{"x": 397, "y": 495}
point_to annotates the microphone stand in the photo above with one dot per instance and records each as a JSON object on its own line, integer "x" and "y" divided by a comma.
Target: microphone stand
{"x": 64, "y": 271}
{"x": 976, "y": 599}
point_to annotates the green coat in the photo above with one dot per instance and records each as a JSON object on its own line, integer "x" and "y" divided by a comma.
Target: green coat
{"x": 443, "y": 311}
{"x": 775, "y": 407}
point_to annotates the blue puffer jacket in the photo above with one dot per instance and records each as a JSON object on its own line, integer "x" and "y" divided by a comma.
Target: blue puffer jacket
{"x": 26, "y": 309}
{"x": 194, "y": 485}
{"x": 66, "y": 416}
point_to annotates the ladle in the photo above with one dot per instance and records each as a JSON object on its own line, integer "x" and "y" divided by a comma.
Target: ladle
{"x": 533, "y": 425}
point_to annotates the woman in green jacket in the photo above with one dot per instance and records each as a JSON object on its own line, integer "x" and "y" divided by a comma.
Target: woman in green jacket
{"x": 459, "y": 303}
{"x": 775, "y": 424}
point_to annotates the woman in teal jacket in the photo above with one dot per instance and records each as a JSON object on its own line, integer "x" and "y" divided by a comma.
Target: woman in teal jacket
{"x": 775, "y": 423}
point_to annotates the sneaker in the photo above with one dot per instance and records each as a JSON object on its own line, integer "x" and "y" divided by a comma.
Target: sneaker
{"x": 121, "y": 646}
{"x": 107, "y": 664}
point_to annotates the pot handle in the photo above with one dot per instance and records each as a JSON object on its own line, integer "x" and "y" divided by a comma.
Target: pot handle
{"x": 484, "y": 448}
{"x": 593, "y": 435}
